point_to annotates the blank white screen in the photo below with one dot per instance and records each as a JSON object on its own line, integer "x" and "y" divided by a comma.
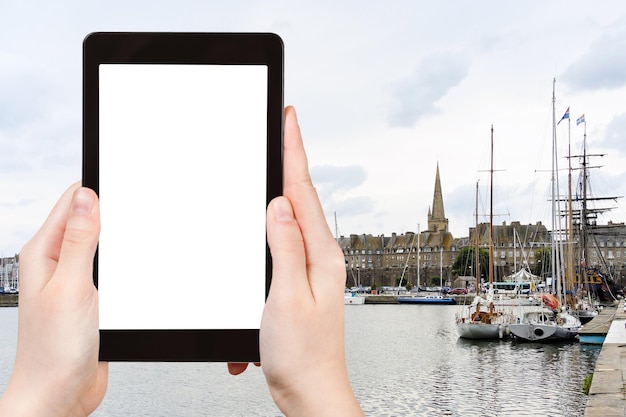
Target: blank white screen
{"x": 182, "y": 188}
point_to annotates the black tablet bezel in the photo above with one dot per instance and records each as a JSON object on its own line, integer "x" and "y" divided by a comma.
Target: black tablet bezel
{"x": 236, "y": 345}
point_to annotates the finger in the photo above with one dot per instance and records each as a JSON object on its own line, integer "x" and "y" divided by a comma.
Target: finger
{"x": 289, "y": 278}
{"x": 236, "y": 368}
{"x": 80, "y": 238}
{"x": 298, "y": 186}
{"x": 41, "y": 254}
{"x": 321, "y": 248}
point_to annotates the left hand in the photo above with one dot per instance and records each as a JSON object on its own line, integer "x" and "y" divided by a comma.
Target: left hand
{"x": 56, "y": 369}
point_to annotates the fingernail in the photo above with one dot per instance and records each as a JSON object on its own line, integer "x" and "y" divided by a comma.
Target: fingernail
{"x": 283, "y": 212}
{"x": 82, "y": 202}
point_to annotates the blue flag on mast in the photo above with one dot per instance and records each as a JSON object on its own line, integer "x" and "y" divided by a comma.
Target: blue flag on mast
{"x": 565, "y": 116}
{"x": 580, "y": 120}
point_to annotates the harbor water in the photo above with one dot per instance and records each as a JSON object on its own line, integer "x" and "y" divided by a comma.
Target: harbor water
{"x": 404, "y": 360}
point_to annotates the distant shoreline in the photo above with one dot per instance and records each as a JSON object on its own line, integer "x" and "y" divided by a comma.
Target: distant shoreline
{"x": 9, "y": 300}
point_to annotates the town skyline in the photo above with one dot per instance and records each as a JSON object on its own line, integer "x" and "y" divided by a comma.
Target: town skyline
{"x": 384, "y": 93}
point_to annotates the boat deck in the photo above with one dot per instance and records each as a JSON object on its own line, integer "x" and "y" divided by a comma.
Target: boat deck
{"x": 607, "y": 394}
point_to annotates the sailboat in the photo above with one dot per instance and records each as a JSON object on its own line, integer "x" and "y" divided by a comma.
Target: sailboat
{"x": 551, "y": 322}
{"x": 428, "y": 299}
{"x": 588, "y": 285}
{"x": 522, "y": 284}
{"x": 350, "y": 298}
{"x": 482, "y": 319}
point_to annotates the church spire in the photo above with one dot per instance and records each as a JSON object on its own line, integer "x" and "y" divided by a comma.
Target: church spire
{"x": 437, "y": 219}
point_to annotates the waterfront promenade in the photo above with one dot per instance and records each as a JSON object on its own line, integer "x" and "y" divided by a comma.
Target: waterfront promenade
{"x": 8, "y": 300}
{"x": 607, "y": 393}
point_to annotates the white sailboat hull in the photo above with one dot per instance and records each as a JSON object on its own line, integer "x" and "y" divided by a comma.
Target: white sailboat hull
{"x": 353, "y": 299}
{"x": 542, "y": 326}
{"x": 542, "y": 332}
{"x": 482, "y": 320}
{"x": 482, "y": 331}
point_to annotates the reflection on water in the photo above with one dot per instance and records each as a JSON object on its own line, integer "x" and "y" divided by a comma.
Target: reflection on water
{"x": 429, "y": 371}
{"x": 404, "y": 360}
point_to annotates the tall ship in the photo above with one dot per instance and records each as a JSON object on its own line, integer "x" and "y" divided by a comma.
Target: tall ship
{"x": 483, "y": 319}
{"x": 590, "y": 283}
{"x": 554, "y": 321}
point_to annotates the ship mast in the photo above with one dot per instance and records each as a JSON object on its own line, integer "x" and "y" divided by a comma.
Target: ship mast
{"x": 569, "y": 269}
{"x": 586, "y": 216}
{"x": 556, "y": 228}
{"x": 476, "y": 250}
{"x": 491, "y": 256}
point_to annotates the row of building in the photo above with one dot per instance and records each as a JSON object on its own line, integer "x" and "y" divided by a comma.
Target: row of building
{"x": 428, "y": 256}
{"x": 9, "y": 275}
{"x": 381, "y": 260}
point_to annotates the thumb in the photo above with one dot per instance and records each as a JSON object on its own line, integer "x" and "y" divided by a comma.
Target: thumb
{"x": 80, "y": 238}
{"x": 289, "y": 275}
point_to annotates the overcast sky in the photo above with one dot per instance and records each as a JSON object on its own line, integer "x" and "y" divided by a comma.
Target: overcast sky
{"x": 384, "y": 91}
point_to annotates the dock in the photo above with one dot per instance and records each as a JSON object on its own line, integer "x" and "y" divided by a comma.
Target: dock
{"x": 393, "y": 298}
{"x": 595, "y": 331}
{"x": 8, "y": 300}
{"x": 608, "y": 388}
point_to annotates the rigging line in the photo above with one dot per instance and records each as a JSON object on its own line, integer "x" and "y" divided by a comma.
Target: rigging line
{"x": 606, "y": 266}
{"x": 408, "y": 257}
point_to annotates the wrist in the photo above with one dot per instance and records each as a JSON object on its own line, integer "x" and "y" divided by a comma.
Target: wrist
{"x": 308, "y": 397}
{"x": 23, "y": 404}
{"x": 32, "y": 397}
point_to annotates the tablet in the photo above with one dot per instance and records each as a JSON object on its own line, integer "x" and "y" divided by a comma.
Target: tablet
{"x": 182, "y": 141}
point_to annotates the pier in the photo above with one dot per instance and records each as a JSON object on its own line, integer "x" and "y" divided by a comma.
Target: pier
{"x": 596, "y": 330}
{"x": 607, "y": 393}
{"x": 393, "y": 298}
{"x": 8, "y": 300}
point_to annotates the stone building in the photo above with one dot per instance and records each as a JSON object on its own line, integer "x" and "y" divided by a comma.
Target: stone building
{"x": 383, "y": 260}
{"x": 607, "y": 250}
{"x": 9, "y": 274}
{"x": 514, "y": 245}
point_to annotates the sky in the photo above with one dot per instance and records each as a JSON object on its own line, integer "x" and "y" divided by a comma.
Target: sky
{"x": 385, "y": 92}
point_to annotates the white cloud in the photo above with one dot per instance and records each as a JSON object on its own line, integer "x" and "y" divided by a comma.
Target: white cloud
{"x": 417, "y": 97}
{"x": 615, "y": 136}
{"x": 383, "y": 92}
{"x": 334, "y": 185}
{"x": 602, "y": 65}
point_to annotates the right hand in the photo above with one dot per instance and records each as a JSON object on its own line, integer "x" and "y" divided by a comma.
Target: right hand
{"x": 302, "y": 330}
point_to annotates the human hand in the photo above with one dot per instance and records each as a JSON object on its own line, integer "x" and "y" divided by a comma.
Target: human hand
{"x": 56, "y": 370}
{"x": 302, "y": 330}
